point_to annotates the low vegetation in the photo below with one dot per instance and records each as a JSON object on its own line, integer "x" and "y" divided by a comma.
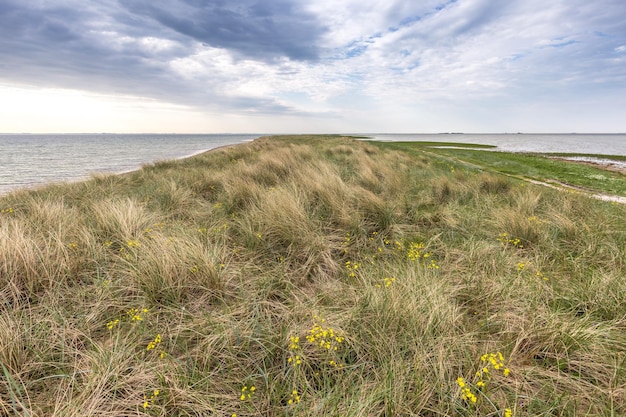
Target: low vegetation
{"x": 311, "y": 276}
{"x": 540, "y": 167}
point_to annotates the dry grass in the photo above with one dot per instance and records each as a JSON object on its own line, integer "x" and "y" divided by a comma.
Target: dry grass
{"x": 168, "y": 290}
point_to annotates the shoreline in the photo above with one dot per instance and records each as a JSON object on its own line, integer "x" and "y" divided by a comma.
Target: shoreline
{"x": 35, "y": 186}
{"x": 600, "y": 162}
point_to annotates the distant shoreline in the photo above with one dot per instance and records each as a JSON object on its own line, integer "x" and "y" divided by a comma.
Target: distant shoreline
{"x": 603, "y": 161}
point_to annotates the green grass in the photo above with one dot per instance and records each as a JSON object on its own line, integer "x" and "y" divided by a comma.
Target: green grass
{"x": 336, "y": 277}
{"x": 534, "y": 166}
{"x": 427, "y": 144}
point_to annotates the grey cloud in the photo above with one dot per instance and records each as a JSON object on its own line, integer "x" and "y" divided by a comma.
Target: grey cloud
{"x": 255, "y": 29}
{"x": 65, "y": 46}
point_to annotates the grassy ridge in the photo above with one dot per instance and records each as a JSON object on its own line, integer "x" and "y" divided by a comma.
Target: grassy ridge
{"x": 311, "y": 276}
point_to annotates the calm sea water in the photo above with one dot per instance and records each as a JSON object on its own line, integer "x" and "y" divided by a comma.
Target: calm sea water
{"x": 29, "y": 160}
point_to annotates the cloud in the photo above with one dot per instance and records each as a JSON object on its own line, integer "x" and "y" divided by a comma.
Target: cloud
{"x": 256, "y": 29}
{"x": 323, "y": 57}
{"x": 86, "y": 46}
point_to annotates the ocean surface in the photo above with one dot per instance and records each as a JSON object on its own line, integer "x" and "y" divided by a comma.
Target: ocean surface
{"x": 29, "y": 160}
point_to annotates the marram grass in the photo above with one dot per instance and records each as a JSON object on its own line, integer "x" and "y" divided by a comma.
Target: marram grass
{"x": 311, "y": 276}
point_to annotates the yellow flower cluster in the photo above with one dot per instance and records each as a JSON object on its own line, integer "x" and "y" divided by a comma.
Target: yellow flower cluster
{"x": 8, "y": 210}
{"x": 135, "y": 314}
{"x": 535, "y": 219}
{"x": 294, "y": 342}
{"x": 335, "y": 364}
{"x": 414, "y": 252}
{"x": 466, "y": 392}
{"x": 147, "y": 402}
{"x": 111, "y": 325}
{"x": 294, "y": 345}
{"x": 133, "y": 243}
{"x": 324, "y": 337}
{"x": 432, "y": 264}
{"x": 352, "y": 267}
{"x": 505, "y": 240}
{"x": 246, "y": 392}
{"x": 490, "y": 363}
{"x": 294, "y": 398}
{"x": 154, "y": 343}
{"x": 494, "y": 361}
{"x": 386, "y": 282}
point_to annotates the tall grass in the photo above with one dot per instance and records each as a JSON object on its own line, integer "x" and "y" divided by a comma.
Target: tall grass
{"x": 334, "y": 277}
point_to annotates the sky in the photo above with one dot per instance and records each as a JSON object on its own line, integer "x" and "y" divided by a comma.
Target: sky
{"x": 315, "y": 66}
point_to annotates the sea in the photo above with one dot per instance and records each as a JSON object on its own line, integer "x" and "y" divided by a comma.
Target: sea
{"x": 29, "y": 160}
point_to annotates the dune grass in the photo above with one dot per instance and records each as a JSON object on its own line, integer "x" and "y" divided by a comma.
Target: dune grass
{"x": 312, "y": 276}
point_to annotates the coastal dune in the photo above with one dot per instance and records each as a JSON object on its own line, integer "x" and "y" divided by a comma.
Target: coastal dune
{"x": 311, "y": 275}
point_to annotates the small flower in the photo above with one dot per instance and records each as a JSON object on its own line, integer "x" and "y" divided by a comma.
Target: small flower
{"x": 294, "y": 398}
{"x": 388, "y": 281}
{"x": 295, "y": 340}
{"x": 432, "y": 264}
{"x": 154, "y": 343}
{"x": 132, "y": 244}
{"x": 135, "y": 314}
{"x": 352, "y": 267}
{"x": 246, "y": 392}
{"x": 149, "y": 401}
